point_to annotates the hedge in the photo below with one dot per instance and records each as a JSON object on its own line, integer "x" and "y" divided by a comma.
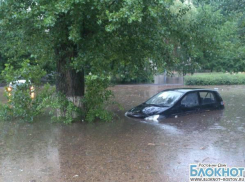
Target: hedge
{"x": 215, "y": 79}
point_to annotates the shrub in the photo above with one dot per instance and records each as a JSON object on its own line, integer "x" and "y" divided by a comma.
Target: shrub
{"x": 20, "y": 104}
{"x": 58, "y": 106}
{"x": 97, "y": 97}
{"x": 215, "y": 79}
{"x": 94, "y": 103}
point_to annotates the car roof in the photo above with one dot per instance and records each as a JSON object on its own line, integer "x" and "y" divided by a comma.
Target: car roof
{"x": 19, "y": 82}
{"x": 185, "y": 90}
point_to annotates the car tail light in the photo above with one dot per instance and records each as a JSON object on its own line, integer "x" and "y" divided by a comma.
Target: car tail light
{"x": 32, "y": 95}
{"x": 9, "y": 89}
{"x": 32, "y": 88}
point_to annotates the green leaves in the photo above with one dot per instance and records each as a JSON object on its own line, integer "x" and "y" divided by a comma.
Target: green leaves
{"x": 49, "y": 21}
{"x": 103, "y": 32}
{"x": 20, "y": 104}
{"x": 97, "y": 98}
{"x": 26, "y": 72}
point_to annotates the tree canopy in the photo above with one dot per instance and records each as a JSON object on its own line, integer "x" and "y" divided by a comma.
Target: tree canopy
{"x": 98, "y": 36}
{"x": 95, "y": 34}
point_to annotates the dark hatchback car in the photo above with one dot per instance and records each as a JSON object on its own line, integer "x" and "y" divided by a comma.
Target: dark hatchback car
{"x": 179, "y": 101}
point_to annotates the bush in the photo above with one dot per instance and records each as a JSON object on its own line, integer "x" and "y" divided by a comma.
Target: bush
{"x": 94, "y": 103}
{"x": 215, "y": 79}
{"x": 20, "y": 104}
{"x": 58, "y": 106}
{"x": 97, "y": 97}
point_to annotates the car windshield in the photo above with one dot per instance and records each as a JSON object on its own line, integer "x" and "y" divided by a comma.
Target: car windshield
{"x": 165, "y": 98}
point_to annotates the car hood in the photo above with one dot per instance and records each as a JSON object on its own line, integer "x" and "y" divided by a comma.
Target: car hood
{"x": 145, "y": 110}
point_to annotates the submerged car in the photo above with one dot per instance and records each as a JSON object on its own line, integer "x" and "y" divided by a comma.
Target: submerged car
{"x": 20, "y": 84}
{"x": 173, "y": 102}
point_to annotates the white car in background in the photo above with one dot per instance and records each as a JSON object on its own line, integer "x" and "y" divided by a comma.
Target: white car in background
{"x": 18, "y": 83}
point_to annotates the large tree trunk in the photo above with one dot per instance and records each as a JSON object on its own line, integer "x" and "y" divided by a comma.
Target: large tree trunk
{"x": 68, "y": 81}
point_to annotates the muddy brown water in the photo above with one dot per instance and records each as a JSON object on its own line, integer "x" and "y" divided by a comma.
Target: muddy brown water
{"x": 126, "y": 149}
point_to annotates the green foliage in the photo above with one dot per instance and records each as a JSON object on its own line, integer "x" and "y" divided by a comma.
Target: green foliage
{"x": 131, "y": 73}
{"x": 92, "y": 106}
{"x": 97, "y": 98}
{"x": 212, "y": 37}
{"x": 59, "y": 107}
{"x": 34, "y": 73}
{"x": 6, "y": 112}
{"x": 216, "y": 79}
{"x": 20, "y": 104}
{"x": 201, "y": 43}
{"x": 103, "y": 35}
{"x": 2, "y": 63}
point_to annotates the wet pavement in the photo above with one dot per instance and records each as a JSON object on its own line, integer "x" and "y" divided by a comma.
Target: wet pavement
{"x": 126, "y": 149}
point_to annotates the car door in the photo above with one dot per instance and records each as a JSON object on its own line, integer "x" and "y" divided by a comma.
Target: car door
{"x": 208, "y": 100}
{"x": 190, "y": 103}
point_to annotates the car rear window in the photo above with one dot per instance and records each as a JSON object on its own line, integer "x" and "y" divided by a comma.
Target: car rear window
{"x": 190, "y": 100}
{"x": 207, "y": 97}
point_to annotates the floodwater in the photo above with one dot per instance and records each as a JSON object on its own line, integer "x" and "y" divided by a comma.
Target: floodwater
{"x": 126, "y": 149}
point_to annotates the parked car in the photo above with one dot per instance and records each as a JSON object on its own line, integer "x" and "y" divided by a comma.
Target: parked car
{"x": 174, "y": 102}
{"x": 20, "y": 84}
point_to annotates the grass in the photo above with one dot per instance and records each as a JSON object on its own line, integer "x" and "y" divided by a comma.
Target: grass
{"x": 215, "y": 79}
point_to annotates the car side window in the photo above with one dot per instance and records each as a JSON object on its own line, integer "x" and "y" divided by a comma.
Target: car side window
{"x": 207, "y": 98}
{"x": 190, "y": 100}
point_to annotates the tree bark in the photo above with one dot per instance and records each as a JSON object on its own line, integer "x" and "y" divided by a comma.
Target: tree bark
{"x": 69, "y": 81}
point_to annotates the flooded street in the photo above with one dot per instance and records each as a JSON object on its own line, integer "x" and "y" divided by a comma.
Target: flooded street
{"x": 126, "y": 149}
